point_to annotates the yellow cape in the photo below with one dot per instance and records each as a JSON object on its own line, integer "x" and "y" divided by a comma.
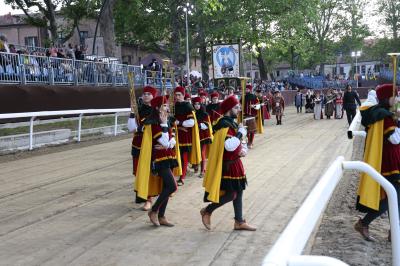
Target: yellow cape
{"x": 369, "y": 190}
{"x": 260, "y": 128}
{"x": 177, "y": 171}
{"x": 146, "y": 184}
{"x": 212, "y": 179}
{"x": 195, "y": 153}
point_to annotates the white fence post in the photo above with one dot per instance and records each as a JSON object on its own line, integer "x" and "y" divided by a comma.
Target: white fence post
{"x": 393, "y": 204}
{"x": 116, "y": 124}
{"x": 31, "y": 133}
{"x": 296, "y": 234}
{"x": 353, "y": 128}
{"x": 80, "y": 127}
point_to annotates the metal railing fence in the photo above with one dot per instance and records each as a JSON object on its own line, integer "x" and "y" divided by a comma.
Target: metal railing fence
{"x": 80, "y": 113}
{"x": 289, "y": 246}
{"x": 25, "y": 69}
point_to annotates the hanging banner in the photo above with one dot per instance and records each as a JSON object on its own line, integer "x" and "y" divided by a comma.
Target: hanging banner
{"x": 226, "y": 61}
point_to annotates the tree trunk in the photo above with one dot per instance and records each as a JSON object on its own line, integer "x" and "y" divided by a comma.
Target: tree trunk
{"x": 108, "y": 31}
{"x": 292, "y": 57}
{"x": 261, "y": 65}
{"x": 51, "y": 17}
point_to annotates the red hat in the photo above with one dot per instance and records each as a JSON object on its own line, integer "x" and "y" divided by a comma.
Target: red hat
{"x": 159, "y": 100}
{"x": 196, "y": 100}
{"x": 214, "y": 94}
{"x": 188, "y": 96}
{"x": 228, "y": 104}
{"x": 180, "y": 89}
{"x": 200, "y": 90}
{"x": 203, "y": 94}
{"x": 384, "y": 91}
{"x": 151, "y": 90}
{"x": 249, "y": 87}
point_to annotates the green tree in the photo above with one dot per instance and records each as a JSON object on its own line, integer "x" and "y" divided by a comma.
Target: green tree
{"x": 390, "y": 10}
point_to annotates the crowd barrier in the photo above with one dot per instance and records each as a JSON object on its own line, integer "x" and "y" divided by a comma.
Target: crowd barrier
{"x": 80, "y": 113}
{"x": 31, "y": 69}
{"x": 318, "y": 82}
{"x": 288, "y": 248}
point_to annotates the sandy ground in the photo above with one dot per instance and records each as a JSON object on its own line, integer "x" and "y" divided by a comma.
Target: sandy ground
{"x": 336, "y": 236}
{"x": 74, "y": 206}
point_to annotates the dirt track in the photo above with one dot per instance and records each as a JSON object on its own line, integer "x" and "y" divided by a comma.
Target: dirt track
{"x": 75, "y": 206}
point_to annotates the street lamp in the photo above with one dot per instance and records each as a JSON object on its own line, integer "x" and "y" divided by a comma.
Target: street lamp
{"x": 188, "y": 9}
{"x": 356, "y": 54}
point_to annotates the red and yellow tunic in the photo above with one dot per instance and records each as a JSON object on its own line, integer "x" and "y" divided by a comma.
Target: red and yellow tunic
{"x": 184, "y": 111}
{"x": 390, "y": 152}
{"x": 233, "y": 175}
{"x": 162, "y": 158}
{"x": 144, "y": 112}
{"x": 249, "y": 100}
{"x": 205, "y": 134}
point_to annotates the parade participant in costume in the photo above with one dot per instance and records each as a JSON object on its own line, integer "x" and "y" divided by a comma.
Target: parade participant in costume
{"x": 252, "y": 109}
{"x": 225, "y": 177}
{"x": 264, "y": 104}
{"x": 205, "y": 129}
{"x": 317, "y": 100}
{"x": 188, "y": 133}
{"x": 309, "y": 102}
{"x": 156, "y": 161}
{"x": 203, "y": 95}
{"x": 371, "y": 99}
{"x": 213, "y": 107}
{"x": 135, "y": 124}
{"x": 329, "y": 103}
{"x": 382, "y": 152}
{"x": 298, "y": 101}
{"x": 188, "y": 98}
{"x": 339, "y": 106}
{"x": 278, "y": 105}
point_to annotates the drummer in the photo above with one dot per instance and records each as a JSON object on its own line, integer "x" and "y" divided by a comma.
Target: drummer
{"x": 251, "y": 113}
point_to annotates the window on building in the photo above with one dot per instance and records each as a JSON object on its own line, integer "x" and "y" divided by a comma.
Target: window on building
{"x": 334, "y": 71}
{"x": 278, "y": 73}
{"x": 31, "y": 41}
{"x": 256, "y": 75}
{"x": 341, "y": 70}
{"x": 248, "y": 74}
{"x": 363, "y": 69}
{"x": 84, "y": 34}
{"x": 377, "y": 68}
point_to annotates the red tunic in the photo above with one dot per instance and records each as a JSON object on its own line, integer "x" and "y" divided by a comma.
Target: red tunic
{"x": 144, "y": 112}
{"x": 250, "y": 99}
{"x": 203, "y": 117}
{"x": 390, "y": 152}
{"x": 233, "y": 175}
{"x": 184, "y": 111}
{"x": 164, "y": 158}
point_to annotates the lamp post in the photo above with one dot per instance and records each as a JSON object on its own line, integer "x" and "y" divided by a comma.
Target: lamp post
{"x": 188, "y": 10}
{"x": 356, "y": 54}
{"x": 251, "y": 65}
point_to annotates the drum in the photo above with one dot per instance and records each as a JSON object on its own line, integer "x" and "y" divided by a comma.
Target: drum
{"x": 250, "y": 123}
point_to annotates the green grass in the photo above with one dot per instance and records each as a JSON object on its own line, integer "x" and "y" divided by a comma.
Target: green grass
{"x": 73, "y": 125}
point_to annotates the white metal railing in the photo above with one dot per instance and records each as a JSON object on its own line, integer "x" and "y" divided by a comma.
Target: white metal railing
{"x": 353, "y": 128}
{"x": 25, "y": 68}
{"x": 288, "y": 248}
{"x": 81, "y": 113}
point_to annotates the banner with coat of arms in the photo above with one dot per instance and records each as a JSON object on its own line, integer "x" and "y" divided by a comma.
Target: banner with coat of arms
{"x": 226, "y": 60}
